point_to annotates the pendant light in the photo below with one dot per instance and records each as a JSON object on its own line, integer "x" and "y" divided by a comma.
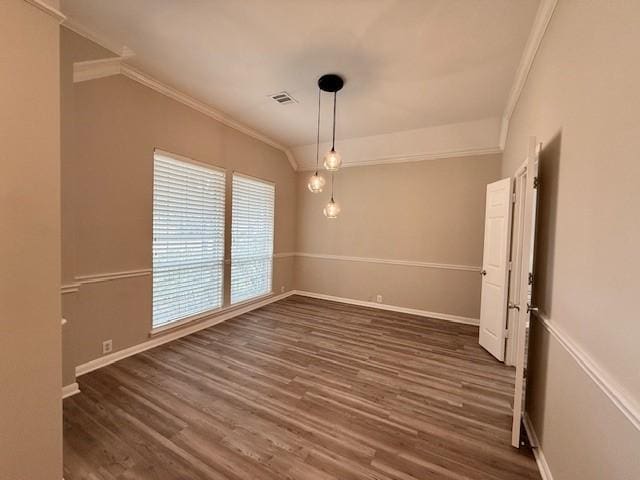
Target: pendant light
{"x": 332, "y": 83}
{"x": 332, "y": 209}
{"x": 316, "y": 182}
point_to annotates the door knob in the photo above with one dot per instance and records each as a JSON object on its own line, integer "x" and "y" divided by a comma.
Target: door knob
{"x": 513, "y": 306}
{"x": 531, "y": 309}
{"x": 483, "y": 272}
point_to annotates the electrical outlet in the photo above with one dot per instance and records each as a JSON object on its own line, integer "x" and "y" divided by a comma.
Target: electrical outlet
{"x": 282, "y": 289}
{"x": 379, "y": 298}
{"x": 107, "y": 346}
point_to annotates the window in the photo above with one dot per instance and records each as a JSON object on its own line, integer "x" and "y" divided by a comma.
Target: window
{"x": 251, "y": 238}
{"x": 188, "y": 238}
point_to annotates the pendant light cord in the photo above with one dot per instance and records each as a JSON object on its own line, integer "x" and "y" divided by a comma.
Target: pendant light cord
{"x": 332, "y": 188}
{"x": 318, "y": 136}
{"x": 333, "y": 143}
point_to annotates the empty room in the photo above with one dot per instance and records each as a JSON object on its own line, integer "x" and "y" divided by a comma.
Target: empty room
{"x": 319, "y": 240}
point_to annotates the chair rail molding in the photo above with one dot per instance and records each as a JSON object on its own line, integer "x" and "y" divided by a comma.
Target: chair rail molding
{"x": 391, "y": 261}
{"x": 284, "y": 254}
{"x": 107, "y": 277}
{"x": 69, "y": 288}
{"x": 618, "y": 396}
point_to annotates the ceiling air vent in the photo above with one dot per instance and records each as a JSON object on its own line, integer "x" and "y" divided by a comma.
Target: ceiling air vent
{"x": 283, "y": 98}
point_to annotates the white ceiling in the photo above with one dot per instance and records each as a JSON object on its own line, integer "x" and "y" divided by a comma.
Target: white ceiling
{"x": 408, "y": 64}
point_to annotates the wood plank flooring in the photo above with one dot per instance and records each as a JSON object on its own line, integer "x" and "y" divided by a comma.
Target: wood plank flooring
{"x": 300, "y": 389}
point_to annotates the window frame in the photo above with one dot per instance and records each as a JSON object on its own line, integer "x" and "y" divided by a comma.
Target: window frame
{"x": 273, "y": 240}
{"x": 200, "y": 315}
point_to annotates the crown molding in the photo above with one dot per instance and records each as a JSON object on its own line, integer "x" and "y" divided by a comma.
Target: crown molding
{"x": 478, "y": 137}
{"x": 48, "y": 9}
{"x": 417, "y": 157}
{"x": 538, "y": 29}
{"x": 115, "y": 47}
{"x": 94, "y": 69}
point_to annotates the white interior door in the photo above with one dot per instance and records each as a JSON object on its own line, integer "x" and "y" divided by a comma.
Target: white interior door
{"x": 495, "y": 267}
{"x": 526, "y": 277}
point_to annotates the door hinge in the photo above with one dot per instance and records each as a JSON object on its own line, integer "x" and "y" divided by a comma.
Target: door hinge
{"x": 536, "y": 182}
{"x": 507, "y": 333}
{"x": 513, "y": 198}
{"x": 510, "y": 265}
{"x": 530, "y": 278}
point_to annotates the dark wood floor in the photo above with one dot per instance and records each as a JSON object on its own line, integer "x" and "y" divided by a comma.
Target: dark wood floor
{"x": 300, "y": 389}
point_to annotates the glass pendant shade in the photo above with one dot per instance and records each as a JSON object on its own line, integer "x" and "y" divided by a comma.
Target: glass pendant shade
{"x": 316, "y": 183}
{"x": 332, "y": 160}
{"x": 331, "y": 210}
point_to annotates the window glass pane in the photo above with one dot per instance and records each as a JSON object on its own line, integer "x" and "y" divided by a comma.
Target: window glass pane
{"x": 251, "y": 238}
{"x": 188, "y": 239}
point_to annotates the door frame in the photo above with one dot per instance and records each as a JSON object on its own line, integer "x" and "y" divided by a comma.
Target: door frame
{"x": 515, "y": 260}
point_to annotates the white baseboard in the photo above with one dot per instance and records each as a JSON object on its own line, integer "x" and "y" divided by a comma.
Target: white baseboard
{"x": 173, "y": 335}
{"x": 543, "y": 466}
{"x": 70, "y": 390}
{"x": 187, "y": 330}
{"x": 393, "y": 308}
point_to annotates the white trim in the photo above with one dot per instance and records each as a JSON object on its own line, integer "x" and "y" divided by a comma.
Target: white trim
{"x": 70, "y": 390}
{"x": 284, "y": 254}
{"x": 290, "y": 157}
{"x": 182, "y": 158}
{"x": 93, "y": 69}
{"x": 199, "y": 316}
{"x": 173, "y": 335}
{"x": 393, "y": 308}
{"x": 541, "y": 460}
{"x": 115, "y": 47}
{"x": 417, "y": 157}
{"x": 389, "y": 261}
{"x": 621, "y": 399}
{"x": 201, "y": 107}
{"x": 106, "y": 277}
{"x": 48, "y": 9}
{"x": 538, "y": 29}
{"x": 69, "y": 288}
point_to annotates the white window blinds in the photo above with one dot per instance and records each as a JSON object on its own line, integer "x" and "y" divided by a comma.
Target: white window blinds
{"x": 251, "y": 238}
{"x": 188, "y": 239}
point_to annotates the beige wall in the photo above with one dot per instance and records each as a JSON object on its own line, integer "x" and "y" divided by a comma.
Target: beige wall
{"x": 72, "y": 49}
{"x": 30, "y": 406}
{"x": 581, "y": 100}
{"x": 429, "y": 211}
{"x": 116, "y": 123}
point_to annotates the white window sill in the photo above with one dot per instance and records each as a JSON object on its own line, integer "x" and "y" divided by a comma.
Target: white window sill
{"x": 205, "y": 315}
